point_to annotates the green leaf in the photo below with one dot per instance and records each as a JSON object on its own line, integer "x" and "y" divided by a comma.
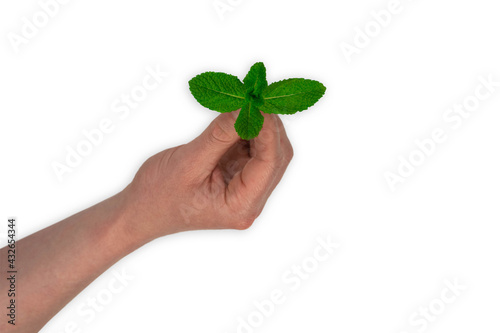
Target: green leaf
{"x": 249, "y": 122}
{"x": 255, "y": 82}
{"x": 225, "y": 93}
{"x": 218, "y": 91}
{"x": 292, "y": 95}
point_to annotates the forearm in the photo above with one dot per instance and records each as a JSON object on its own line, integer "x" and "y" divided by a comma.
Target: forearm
{"x": 58, "y": 262}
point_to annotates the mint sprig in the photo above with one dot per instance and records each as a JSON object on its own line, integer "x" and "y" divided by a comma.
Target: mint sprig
{"x": 226, "y": 93}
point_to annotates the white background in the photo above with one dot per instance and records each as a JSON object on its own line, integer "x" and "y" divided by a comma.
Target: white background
{"x": 397, "y": 247}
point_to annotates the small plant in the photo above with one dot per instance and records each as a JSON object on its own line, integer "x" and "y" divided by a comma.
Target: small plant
{"x": 226, "y": 93}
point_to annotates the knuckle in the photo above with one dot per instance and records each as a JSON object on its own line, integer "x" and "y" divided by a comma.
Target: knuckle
{"x": 266, "y": 136}
{"x": 245, "y": 223}
{"x": 247, "y": 219}
{"x": 220, "y": 134}
{"x": 276, "y": 165}
{"x": 289, "y": 154}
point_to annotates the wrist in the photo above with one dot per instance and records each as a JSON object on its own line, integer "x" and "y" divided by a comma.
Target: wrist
{"x": 127, "y": 226}
{"x": 139, "y": 221}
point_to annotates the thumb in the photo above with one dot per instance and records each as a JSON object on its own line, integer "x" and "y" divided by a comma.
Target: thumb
{"x": 208, "y": 148}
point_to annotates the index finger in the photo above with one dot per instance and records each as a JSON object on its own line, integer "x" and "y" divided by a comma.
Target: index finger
{"x": 253, "y": 184}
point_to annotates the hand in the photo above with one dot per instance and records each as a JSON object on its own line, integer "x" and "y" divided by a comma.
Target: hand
{"x": 217, "y": 181}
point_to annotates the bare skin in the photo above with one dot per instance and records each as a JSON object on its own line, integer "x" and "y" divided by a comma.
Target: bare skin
{"x": 217, "y": 181}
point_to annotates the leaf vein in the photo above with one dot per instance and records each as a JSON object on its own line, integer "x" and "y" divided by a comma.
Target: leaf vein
{"x": 218, "y": 91}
